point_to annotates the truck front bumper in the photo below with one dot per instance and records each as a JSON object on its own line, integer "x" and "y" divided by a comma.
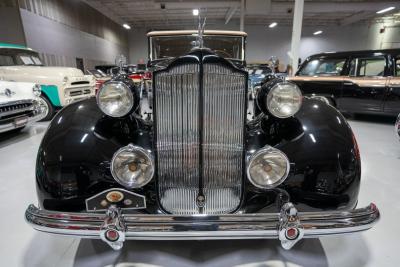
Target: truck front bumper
{"x": 289, "y": 226}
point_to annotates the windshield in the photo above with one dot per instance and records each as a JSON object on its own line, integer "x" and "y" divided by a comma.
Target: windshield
{"x": 163, "y": 47}
{"x": 12, "y": 57}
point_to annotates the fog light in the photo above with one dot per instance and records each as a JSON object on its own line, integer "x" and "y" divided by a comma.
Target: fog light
{"x": 267, "y": 168}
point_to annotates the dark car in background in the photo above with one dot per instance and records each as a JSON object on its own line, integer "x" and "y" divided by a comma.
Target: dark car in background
{"x": 354, "y": 82}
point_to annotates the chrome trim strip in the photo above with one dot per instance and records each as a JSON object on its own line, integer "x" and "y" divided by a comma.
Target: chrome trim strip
{"x": 200, "y": 227}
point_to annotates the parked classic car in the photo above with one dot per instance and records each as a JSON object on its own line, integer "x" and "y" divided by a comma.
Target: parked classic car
{"x": 100, "y": 78}
{"x": 19, "y": 105}
{"x": 354, "y": 82}
{"x": 60, "y": 85}
{"x": 197, "y": 169}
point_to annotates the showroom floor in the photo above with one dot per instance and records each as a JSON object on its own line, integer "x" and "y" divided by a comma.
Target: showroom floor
{"x": 23, "y": 246}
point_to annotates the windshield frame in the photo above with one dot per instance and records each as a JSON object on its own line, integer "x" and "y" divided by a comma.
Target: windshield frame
{"x": 16, "y": 53}
{"x": 150, "y": 45}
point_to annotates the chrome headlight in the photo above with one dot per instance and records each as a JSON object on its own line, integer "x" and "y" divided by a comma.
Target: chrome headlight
{"x": 115, "y": 99}
{"x": 284, "y": 100}
{"x": 132, "y": 166}
{"x": 37, "y": 90}
{"x": 65, "y": 80}
{"x": 267, "y": 168}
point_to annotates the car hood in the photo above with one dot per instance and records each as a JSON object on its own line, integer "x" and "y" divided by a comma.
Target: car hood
{"x": 17, "y": 91}
{"x": 47, "y": 71}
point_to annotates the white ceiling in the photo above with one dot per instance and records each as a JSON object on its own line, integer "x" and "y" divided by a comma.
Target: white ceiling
{"x": 177, "y": 14}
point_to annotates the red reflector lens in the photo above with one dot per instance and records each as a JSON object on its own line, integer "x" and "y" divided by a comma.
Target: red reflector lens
{"x": 291, "y": 233}
{"x": 112, "y": 235}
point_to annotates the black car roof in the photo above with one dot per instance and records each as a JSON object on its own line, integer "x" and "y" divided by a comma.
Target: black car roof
{"x": 359, "y": 52}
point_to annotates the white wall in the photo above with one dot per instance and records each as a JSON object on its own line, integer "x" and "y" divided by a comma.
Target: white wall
{"x": 61, "y": 44}
{"x": 263, "y": 42}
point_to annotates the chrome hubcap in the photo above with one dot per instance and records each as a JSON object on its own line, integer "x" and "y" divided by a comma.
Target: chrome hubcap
{"x": 44, "y": 106}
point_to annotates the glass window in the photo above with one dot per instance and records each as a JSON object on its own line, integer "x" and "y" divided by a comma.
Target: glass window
{"x": 19, "y": 57}
{"x": 373, "y": 66}
{"x": 6, "y": 60}
{"x": 397, "y": 66}
{"x": 174, "y": 46}
{"x": 323, "y": 67}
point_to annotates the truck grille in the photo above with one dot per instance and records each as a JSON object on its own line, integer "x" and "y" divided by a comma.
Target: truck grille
{"x": 79, "y": 91}
{"x": 199, "y": 120}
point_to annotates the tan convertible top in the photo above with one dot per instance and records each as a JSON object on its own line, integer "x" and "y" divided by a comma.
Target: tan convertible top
{"x": 187, "y": 32}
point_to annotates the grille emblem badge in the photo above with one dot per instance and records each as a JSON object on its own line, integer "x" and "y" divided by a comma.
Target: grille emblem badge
{"x": 200, "y": 201}
{"x": 7, "y": 92}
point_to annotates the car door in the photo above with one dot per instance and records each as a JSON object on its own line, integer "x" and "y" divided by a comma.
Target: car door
{"x": 321, "y": 77}
{"x": 365, "y": 88}
{"x": 392, "y": 100}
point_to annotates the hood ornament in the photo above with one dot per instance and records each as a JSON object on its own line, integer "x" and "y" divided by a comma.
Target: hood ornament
{"x": 200, "y": 32}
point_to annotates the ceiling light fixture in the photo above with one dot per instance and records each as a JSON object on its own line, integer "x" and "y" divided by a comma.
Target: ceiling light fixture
{"x": 317, "y": 32}
{"x": 126, "y": 26}
{"x": 273, "y": 24}
{"x": 195, "y": 12}
{"x": 385, "y": 10}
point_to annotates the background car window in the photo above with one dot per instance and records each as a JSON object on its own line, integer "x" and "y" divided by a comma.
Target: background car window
{"x": 374, "y": 66}
{"x": 323, "y": 67}
{"x": 6, "y": 60}
{"x": 397, "y": 66}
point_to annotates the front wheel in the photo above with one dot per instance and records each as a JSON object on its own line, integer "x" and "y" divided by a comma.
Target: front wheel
{"x": 47, "y": 108}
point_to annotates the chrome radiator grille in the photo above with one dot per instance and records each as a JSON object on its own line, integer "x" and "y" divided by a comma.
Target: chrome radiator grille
{"x": 199, "y": 138}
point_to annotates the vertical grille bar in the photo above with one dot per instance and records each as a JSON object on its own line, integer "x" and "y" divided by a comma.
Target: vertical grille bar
{"x": 223, "y": 137}
{"x": 177, "y": 98}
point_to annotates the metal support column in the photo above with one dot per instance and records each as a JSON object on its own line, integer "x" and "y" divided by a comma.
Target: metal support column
{"x": 296, "y": 33}
{"x": 242, "y": 11}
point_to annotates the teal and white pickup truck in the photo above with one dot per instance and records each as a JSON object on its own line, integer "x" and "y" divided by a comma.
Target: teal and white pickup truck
{"x": 60, "y": 85}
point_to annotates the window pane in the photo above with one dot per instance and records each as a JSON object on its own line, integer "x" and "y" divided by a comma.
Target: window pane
{"x": 323, "y": 67}
{"x": 6, "y": 60}
{"x": 174, "y": 46}
{"x": 361, "y": 67}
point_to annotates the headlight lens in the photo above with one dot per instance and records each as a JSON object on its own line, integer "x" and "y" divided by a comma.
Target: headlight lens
{"x": 284, "y": 100}
{"x": 132, "y": 166}
{"x": 115, "y": 99}
{"x": 37, "y": 90}
{"x": 65, "y": 80}
{"x": 267, "y": 168}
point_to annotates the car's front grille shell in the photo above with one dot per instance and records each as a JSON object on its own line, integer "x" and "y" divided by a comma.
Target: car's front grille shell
{"x": 199, "y": 122}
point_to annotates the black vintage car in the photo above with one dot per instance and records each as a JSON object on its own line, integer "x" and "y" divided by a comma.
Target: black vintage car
{"x": 197, "y": 168}
{"x": 354, "y": 82}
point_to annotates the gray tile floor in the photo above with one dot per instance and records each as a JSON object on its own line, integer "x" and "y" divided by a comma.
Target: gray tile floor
{"x": 22, "y": 246}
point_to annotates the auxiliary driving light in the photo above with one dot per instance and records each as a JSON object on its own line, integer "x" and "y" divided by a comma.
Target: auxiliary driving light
{"x": 267, "y": 168}
{"x": 132, "y": 166}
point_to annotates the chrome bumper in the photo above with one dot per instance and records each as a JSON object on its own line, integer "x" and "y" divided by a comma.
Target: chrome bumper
{"x": 289, "y": 226}
{"x": 38, "y": 114}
